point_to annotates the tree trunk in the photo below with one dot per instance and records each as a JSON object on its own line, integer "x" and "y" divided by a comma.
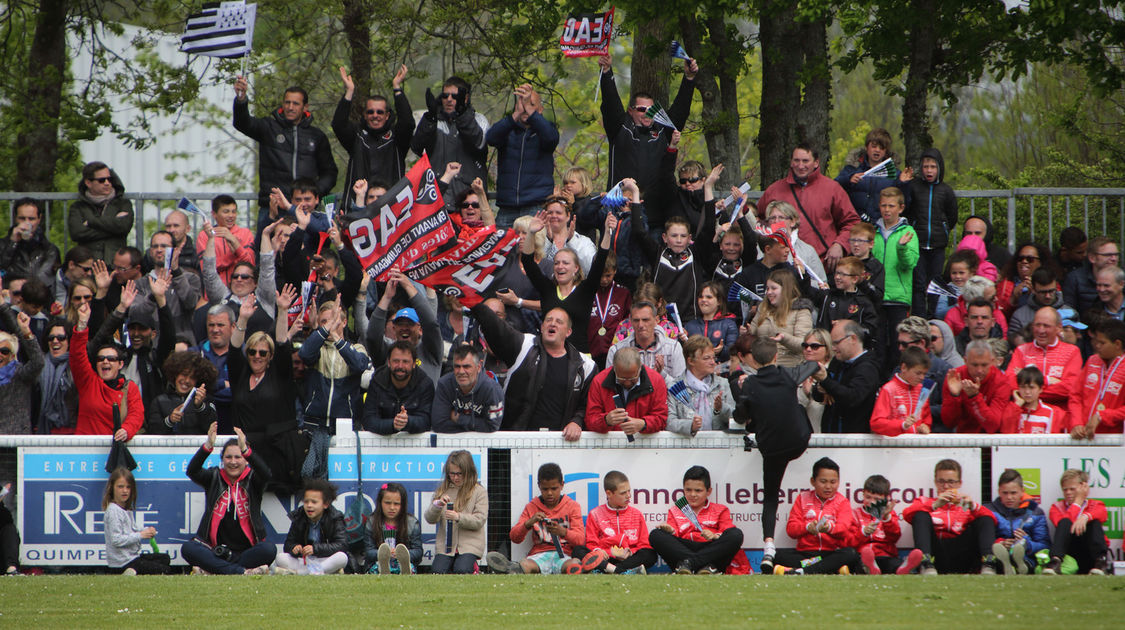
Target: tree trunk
{"x": 650, "y": 61}
{"x": 812, "y": 117}
{"x": 357, "y": 32}
{"x": 781, "y": 88}
{"x": 717, "y": 85}
{"x": 922, "y": 41}
{"x": 38, "y": 138}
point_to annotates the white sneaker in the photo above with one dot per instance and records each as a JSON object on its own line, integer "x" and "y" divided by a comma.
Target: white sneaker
{"x": 283, "y": 571}
{"x": 1018, "y": 552}
{"x": 129, "y": 571}
{"x": 1004, "y": 556}
{"x": 384, "y": 557}
{"x": 402, "y": 554}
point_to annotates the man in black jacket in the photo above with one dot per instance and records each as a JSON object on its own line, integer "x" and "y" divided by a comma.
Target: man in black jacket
{"x": 852, "y": 382}
{"x": 27, "y": 252}
{"x": 452, "y": 131}
{"x": 376, "y": 146}
{"x": 547, "y": 379}
{"x": 290, "y": 147}
{"x": 400, "y": 397}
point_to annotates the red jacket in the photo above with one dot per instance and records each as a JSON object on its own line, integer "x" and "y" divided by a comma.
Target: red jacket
{"x": 96, "y": 399}
{"x": 983, "y": 413}
{"x": 950, "y": 520}
{"x": 227, "y": 257}
{"x": 607, "y": 527}
{"x": 648, "y": 401}
{"x": 808, "y": 508}
{"x": 1094, "y": 508}
{"x": 896, "y": 401}
{"x": 822, "y": 201}
{"x": 883, "y": 539}
{"x": 1060, "y": 363}
{"x": 957, "y": 315}
{"x": 1111, "y": 402}
{"x": 713, "y": 516}
{"x": 566, "y": 512}
{"x": 1043, "y": 419}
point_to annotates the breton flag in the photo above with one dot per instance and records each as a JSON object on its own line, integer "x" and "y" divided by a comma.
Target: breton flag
{"x": 221, "y": 29}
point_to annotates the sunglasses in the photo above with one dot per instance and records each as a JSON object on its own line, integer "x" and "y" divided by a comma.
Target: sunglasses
{"x": 100, "y": 180}
{"x": 56, "y": 337}
{"x": 934, "y": 338}
{"x": 89, "y": 271}
{"x": 377, "y": 112}
{"x": 445, "y": 95}
{"x": 812, "y": 346}
{"x": 81, "y": 298}
{"x": 16, "y": 292}
{"x": 471, "y": 204}
{"x": 241, "y": 276}
{"x": 907, "y": 344}
{"x": 107, "y": 358}
{"x": 1027, "y": 259}
{"x": 5, "y": 351}
{"x": 690, "y": 180}
{"x": 640, "y": 109}
{"x": 254, "y": 352}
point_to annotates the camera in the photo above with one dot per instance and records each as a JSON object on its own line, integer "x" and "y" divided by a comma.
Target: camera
{"x": 223, "y": 552}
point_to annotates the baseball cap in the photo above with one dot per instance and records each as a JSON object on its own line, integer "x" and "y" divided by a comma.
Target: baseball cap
{"x": 407, "y": 313}
{"x": 1070, "y": 318}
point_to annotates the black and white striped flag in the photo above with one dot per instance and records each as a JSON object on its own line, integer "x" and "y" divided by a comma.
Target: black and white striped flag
{"x": 221, "y": 29}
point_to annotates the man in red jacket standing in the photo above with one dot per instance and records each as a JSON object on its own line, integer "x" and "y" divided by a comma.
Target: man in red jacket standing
{"x": 954, "y": 532}
{"x": 823, "y": 204}
{"x": 976, "y": 394}
{"x": 821, "y": 522}
{"x": 102, "y": 391}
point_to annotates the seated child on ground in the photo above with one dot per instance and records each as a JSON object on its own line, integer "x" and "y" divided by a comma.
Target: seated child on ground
{"x": 876, "y": 529}
{"x": 1021, "y": 527}
{"x": 699, "y": 537}
{"x": 616, "y": 534}
{"x": 899, "y": 408}
{"x": 122, "y": 536}
{"x": 394, "y": 536}
{"x": 1079, "y": 527}
{"x": 316, "y": 543}
{"x": 460, "y": 510}
{"x": 954, "y": 533}
{"x": 555, "y": 523}
{"x": 821, "y": 523}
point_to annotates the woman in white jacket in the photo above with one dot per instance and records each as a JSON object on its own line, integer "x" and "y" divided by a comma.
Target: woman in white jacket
{"x": 701, "y": 400}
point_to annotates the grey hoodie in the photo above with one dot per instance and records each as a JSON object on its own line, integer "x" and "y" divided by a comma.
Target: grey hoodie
{"x": 949, "y": 351}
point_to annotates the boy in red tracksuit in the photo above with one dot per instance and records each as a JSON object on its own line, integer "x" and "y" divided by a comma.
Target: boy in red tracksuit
{"x": 1027, "y": 413}
{"x": 707, "y": 549}
{"x": 954, "y": 533}
{"x": 1079, "y": 527}
{"x": 1099, "y": 406}
{"x": 616, "y": 534}
{"x": 555, "y": 523}
{"x": 898, "y": 398}
{"x": 876, "y": 529}
{"x": 821, "y": 522}
{"x": 975, "y": 395}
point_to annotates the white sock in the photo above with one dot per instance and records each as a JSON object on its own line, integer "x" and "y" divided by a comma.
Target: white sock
{"x": 769, "y": 549}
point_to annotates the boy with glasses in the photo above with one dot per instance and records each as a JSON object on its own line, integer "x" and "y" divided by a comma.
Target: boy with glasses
{"x": 846, "y": 301}
{"x": 860, "y": 244}
{"x": 954, "y": 533}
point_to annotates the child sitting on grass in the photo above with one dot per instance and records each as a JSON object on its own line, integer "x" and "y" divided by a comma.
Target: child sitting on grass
{"x": 555, "y": 523}
{"x": 1079, "y": 527}
{"x": 699, "y": 537}
{"x": 821, "y": 522}
{"x": 953, "y": 532}
{"x": 316, "y": 544}
{"x": 122, "y": 536}
{"x": 876, "y": 529}
{"x": 616, "y": 534}
{"x": 460, "y": 510}
{"x": 394, "y": 536}
{"x": 1021, "y": 527}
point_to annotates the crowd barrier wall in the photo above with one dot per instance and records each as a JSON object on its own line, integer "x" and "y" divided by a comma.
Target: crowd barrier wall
{"x": 61, "y": 479}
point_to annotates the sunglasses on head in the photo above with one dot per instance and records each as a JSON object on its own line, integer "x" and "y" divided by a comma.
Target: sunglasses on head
{"x": 471, "y": 204}
{"x": 100, "y": 180}
{"x": 690, "y": 180}
{"x": 241, "y": 276}
{"x": 377, "y": 112}
{"x": 107, "y": 358}
{"x": 812, "y": 346}
{"x": 254, "y": 352}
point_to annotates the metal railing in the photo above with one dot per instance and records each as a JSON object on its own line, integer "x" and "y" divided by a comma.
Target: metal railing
{"x": 1018, "y": 213}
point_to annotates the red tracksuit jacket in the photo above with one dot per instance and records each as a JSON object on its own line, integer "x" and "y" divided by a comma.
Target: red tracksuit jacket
{"x": 606, "y": 527}
{"x": 1097, "y": 379}
{"x": 808, "y": 508}
{"x": 983, "y": 413}
{"x": 712, "y": 516}
{"x": 883, "y": 539}
{"x": 1043, "y": 419}
{"x": 950, "y": 520}
{"x": 566, "y": 512}
{"x": 1061, "y": 365}
{"x": 897, "y": 400}
{"x": 1093, "y": 507}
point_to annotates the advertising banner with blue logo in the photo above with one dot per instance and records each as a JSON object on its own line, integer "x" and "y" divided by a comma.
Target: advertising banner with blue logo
{"x": 60, "y": 496}
{"x": 656, "y": 479}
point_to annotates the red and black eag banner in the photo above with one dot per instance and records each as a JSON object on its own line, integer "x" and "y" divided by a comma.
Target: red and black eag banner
{"x": 468, "y": 268}
{"x": 587, "y": 34}
{"x": 404, "y": 225}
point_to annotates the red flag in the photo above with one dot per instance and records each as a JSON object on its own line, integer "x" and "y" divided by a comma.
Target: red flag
{"x": 587, "y": 34}
{"x": 403, "y": 226}
{"x": 469, "y": 267}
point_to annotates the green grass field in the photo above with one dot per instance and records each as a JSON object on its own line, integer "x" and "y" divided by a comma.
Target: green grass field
{"x": 538, "y": 602}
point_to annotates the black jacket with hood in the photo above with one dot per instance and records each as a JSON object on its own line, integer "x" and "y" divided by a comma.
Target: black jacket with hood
{"x": 932, "y": 206}
{"x": 374, "y": 154}
{"x": 287, "y": 152}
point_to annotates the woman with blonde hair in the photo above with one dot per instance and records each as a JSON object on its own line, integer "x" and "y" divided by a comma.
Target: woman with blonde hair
{"x": 816, "y": 347}
{"x": 460, "y": 510}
